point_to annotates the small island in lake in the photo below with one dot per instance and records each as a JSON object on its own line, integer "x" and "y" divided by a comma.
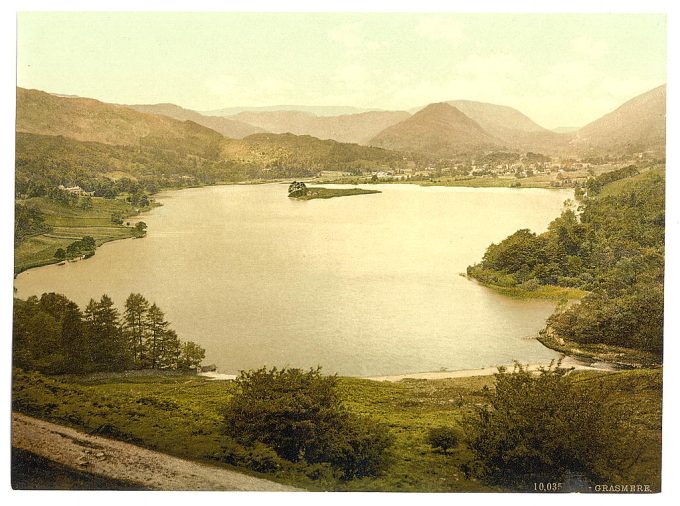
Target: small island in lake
{"x": 299, "y": 190}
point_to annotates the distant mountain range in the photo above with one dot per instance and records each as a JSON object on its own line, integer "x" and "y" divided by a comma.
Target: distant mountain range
{"x": 225, "y": 126}
{"x": 443, "y": 130}
{"x": 357, "y": 128}
{"x": 317, "y": 110}
{"x": 83, "y": 138}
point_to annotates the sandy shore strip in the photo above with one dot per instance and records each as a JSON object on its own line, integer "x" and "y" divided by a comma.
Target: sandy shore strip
{"x": 488, "y": 371}
{"x": 126, "y": 462}
{"x": 567, "y": 362}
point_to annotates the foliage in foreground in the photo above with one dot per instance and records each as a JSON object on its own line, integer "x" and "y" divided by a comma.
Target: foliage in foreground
{"x": 182, "y": 416}
{"x": 546, "y": 427}
{"x": 52, "y": 334}
{"x": 300, "y": 416}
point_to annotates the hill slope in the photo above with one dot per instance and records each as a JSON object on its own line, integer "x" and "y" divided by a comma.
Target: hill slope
{"x": 637, "y": 125}
{"x": 227, "y": 127}
{"x": 513, "y": 127}
{"x": 85, "y": 119}
{"x": 438, "y": 130}
{"x": 289, "y": 150}
{"x": 354, "y": 128}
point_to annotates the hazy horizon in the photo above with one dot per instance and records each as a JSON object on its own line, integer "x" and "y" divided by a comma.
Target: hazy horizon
{"x": 561, "y": 70}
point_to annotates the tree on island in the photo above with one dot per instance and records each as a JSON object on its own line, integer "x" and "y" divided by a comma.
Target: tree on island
{"x": 60, "y": 254}
{"x": 297, "y": 189}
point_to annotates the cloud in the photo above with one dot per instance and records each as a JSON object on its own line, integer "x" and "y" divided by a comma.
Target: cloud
{"x": 439, "y": 28}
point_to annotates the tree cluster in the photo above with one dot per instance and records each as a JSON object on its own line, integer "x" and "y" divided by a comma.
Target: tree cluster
{"x": 28, "y": 221}
{"x": 84, "y": 247}
{"x": 53, "y": 335}
{"x": 299, "y": 415}
{"x": 614, "y": 249}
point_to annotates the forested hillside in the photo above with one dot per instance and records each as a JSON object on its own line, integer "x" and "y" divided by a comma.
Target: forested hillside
{"x": 613, "y": 247}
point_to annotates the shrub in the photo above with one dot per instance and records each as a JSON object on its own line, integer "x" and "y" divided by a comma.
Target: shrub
{"x": 543, "y": 427}
{"x": 301, "y": 417}
{"x": 258, "y": 457}
{"x": 443, "y": 439}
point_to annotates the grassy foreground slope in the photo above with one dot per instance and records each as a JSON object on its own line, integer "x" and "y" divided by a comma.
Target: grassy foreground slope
{"x": 181, "y": 415}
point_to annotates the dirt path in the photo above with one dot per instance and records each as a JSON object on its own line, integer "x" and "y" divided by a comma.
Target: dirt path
{"x": 122, "y": 461}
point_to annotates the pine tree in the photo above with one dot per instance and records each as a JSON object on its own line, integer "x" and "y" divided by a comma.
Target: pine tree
{"x": 135, "y": 325}
{"x": 109, "y": 350}
{"x": 157, "y": 328}
{"x": 74, "y": 340}
{"x": 169, "y": 350}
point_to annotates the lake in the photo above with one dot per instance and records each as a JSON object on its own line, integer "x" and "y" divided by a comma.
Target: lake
{"x": 361, "y": 285}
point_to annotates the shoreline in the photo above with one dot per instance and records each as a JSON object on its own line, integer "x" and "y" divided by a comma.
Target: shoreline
{"x": 157, "y": 202}
{"x": 567, "y": 362}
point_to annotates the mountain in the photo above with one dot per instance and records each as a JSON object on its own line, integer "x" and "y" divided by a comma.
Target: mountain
{"x": 86, "y": 119}
{"x": 227, "y": 127}
{"x": 637, "y": 125}
{"x": 565, "y": 129}
{"x": 317, "y": 110}
{"x": 355, "y": 128}
{"x": 437, "y": 130}
{"x": 282, "y": 151}
{"x": 80, "y": 141}
{"x": 514, "y": 128}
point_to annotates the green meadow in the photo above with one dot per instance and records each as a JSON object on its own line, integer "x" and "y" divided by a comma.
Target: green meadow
{"x": 71, "y": 223}
{"x": 181, "y": 415}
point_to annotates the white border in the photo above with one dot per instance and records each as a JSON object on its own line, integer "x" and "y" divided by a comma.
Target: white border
{"x": 7, "y": 84}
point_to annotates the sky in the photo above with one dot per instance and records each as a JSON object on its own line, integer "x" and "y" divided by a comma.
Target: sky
{"x": 559, "y": 69}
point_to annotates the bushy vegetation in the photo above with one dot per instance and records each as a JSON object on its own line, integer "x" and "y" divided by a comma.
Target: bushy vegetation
{"x": 52, "y": 334}
{"x": 443, "y": 439}
{"x": 28, "y": 221}
{"x": 182, "y": 416}
{"x": 613, "y": 248}
{"x": 300, "y": 416}
{"x": 595, "y": 184}
{"x": 546, "y": 427}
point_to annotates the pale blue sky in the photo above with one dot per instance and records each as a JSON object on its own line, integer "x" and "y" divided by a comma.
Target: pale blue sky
{"x": 561, "y": 70}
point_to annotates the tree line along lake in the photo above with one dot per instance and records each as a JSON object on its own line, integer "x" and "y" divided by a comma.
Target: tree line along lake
{"x": 362, "y": 286}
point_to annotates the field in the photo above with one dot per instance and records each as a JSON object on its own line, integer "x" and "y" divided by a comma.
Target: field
{"x": 71, "y": 223}
{"x": 180, "y": 415}
{"x": 537, "y": 181}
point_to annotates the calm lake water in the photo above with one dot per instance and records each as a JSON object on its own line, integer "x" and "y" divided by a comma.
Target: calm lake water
{"x": 362, "y": 285}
